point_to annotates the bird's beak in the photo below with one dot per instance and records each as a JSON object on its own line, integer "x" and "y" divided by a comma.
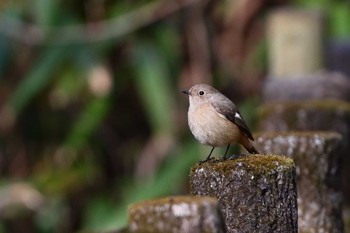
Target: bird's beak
{"x": 186, "y": 92}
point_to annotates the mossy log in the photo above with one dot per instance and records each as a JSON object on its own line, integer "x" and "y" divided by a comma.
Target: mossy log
{"x": 176, "y": 214}
{"x": 256, "y": 193}
{"x": 316, "y": 155}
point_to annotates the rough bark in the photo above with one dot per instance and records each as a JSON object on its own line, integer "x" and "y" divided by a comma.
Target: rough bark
{"x": 256, "y": 193}
{"x": 325, "y": 115}
{"x": 316, "y": 155}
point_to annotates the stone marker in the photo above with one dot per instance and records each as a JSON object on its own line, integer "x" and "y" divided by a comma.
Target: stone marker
{"x": 188, "y": 214}
{"x": 316, "y": 155}
{"x": 256, "y": 193}
{"x": 295, "y": 41}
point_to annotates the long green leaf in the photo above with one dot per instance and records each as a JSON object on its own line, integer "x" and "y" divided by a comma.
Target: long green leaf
{"x": 37, "y": 79}
{"x": 44, "y": 11}
{"x": 87, "y": 122}
{"x": 154, "y": 86}
{"x": 4, "y": 55}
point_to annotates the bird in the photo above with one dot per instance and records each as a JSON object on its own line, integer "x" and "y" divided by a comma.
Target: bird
{"x": 215, "y": 120}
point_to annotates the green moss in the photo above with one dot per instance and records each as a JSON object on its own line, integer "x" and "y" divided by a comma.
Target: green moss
{"x": 257, "y": 164}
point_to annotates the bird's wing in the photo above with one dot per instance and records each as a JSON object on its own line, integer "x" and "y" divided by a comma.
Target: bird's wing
{"x": 231, "y": 113}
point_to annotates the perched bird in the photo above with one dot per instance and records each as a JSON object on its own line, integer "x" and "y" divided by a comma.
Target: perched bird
{"x": 215, "y": 120}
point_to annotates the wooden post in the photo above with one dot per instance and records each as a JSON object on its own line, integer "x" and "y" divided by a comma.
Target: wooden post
{"x": 176, "y": 214}
{"x": 256, "y": 193}
{"x": 316, "y": 155}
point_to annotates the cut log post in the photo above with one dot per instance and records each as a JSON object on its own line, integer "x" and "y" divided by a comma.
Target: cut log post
{"x": 256, "y": 193}
{"x": 297, "y": 73}
{"x": 176, "y": 214}
{"x": 316, "y": 155}
{"x": 325, "y": 115}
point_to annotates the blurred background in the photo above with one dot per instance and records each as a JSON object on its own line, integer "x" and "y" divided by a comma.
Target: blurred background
{"x": 92, "y": 117}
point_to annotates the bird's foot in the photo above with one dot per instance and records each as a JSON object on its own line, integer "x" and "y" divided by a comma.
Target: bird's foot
{"x": 205, "y": 160}
{"x": 234, "y": 156}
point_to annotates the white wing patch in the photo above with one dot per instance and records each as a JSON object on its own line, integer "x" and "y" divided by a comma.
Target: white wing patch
{"x": 237, "y": 115}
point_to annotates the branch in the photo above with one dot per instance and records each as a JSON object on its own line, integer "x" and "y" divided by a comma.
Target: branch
{"x": 32, "y": 34}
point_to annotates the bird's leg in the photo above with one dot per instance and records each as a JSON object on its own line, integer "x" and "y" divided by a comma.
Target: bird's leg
{"x": 209, "y": 154}
{"x": 228, "y": 146}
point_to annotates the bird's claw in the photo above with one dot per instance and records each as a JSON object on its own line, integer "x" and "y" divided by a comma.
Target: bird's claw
{"x": 234, "y": 156}
{"x": 205, "y": 160}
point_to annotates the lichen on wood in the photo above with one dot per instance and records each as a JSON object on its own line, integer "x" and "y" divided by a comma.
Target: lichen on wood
{"x": 257, "y": 193}
{"x": 322, "y": 114}
{"x": 317, "y": 158}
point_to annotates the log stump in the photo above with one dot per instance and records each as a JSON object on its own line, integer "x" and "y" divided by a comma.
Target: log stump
{"x": 176, "y": 214}
{"x": 316, "y": 155}
{"x": 256, "y": 193}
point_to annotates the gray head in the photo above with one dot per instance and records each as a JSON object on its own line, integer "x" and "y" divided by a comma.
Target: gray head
{"x": 203, "y": 93}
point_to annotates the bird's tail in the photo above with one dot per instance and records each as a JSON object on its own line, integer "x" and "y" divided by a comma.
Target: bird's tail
{"x": 248, "y": 146}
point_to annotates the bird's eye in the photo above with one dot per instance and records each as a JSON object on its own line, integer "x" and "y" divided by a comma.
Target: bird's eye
{"x": 201, "y": 93}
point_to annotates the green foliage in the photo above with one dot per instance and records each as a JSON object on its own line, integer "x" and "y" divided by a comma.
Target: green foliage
{"x": 106, "y": 215}
{"x": 49, "y": 217}
{"x": 154, "y": 86}
{"x": 339, "y": 20}
{"x": 4, "y": 55}
{"x": 66, "y": 167}
{"x": 37, "y": 79}
{"x": 85, "y": 125}
{"x": 44, "y": 12}
{"x": 337, "y": 14}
